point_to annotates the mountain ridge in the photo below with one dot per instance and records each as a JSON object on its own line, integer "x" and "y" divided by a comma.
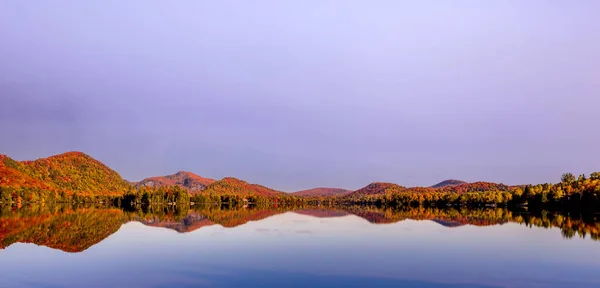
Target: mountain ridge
{"x": 322, "y": 191}
{"x": 375, "y": 188}
{"x": 187, "y": 180}
{"x": 449, "y": 182}
{"x": 77, "y": 177}
{"x": 73, "y": 172}
{"x": 232, "y": 185}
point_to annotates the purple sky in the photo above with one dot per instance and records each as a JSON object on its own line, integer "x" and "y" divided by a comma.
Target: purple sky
{"x": 298, "y": 94}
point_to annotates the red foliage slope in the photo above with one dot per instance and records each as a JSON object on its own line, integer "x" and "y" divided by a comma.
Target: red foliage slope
{"x": 449, "y": 182}
{"x": 376, "y": 188}
{"x": 230, "y": 185}
{"x": 474, "y": 187}
{"x": 70, "y": 172}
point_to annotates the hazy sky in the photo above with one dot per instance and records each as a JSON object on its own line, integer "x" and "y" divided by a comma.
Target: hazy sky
{"x": 298, "y": 94}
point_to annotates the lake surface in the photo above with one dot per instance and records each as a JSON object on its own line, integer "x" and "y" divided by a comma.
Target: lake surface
{"x": 325, "y": 247}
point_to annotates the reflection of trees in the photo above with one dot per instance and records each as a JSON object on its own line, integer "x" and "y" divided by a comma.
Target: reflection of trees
{"x": 235, "y": 216}
{"x": 479, "y": 217}
{"x": 74, "y": 229}
{"x": 570, "y": 225}
{"x": 575, "y": 194}
{"x": 67, "y": 229}
{"x": 568, "y": 232}
{"x": 184, "y": 219}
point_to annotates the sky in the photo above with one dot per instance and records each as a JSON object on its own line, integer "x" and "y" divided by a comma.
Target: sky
{"x": 302, "y": 94}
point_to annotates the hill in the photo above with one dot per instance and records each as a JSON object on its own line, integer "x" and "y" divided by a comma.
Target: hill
{"x": 449, "y": 182}
{"x": 474, "y": 187}
{"x": 375, "y": 188}
{"x": 190, "y": 181}
{"x": 69, "y": 172}
{"x": 321, "y": 191}
{"x": 234, "y": 186}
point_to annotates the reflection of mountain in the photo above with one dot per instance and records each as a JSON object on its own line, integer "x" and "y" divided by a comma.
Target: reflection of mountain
{"x": 322, "y": 213}
{"x": 69, "y": 231}
{"x": 448, "y": 223}
{"x": 203, "y": 216}
{"x": 191, "y": 222}
{"x": 372, "y": 215}
{"x": 446, "y": 217}
{"x": 75, "y": 230}
{"x": 236, "y": 217}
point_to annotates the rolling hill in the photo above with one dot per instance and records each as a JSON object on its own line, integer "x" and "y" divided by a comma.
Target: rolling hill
{"x": 449, "y": 182}
{"x": 375, "y": 188}
{"x": 474, "y": 187}
{"x": 234, "y": 186}
{"x": 75, "y": 177}
{"x": 321, "y": 191}
{"x": 190, "y": 181}
{"x": 69, "y": 172}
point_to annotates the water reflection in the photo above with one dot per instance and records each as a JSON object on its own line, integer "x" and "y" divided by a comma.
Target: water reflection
{"x": 348, "y": 246}
{"x": 75, "y": 229}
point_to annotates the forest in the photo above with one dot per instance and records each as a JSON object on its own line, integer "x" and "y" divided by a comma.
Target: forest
{"x": 75, "y": 177}
{"x": 573, "y": 193}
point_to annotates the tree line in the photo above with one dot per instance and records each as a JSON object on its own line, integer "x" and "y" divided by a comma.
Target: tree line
{"x": 571, "y": 193}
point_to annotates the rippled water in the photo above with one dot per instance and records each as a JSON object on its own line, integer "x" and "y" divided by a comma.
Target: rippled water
{"x": 345, "y": 247}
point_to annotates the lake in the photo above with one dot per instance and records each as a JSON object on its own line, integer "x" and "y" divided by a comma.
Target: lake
{"x": 208, "y": 246}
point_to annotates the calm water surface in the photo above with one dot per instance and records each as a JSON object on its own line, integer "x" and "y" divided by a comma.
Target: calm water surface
{"x": 91, "y": 247}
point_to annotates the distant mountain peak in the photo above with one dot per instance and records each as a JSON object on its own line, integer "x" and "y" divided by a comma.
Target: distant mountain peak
{"x": 236, "y": 186}
{"x": 449, "y": 182}
{"x": 73, "y": 153}
{"x": 322, "y": 191}
{"x": 70, "y": 154}
{"x": 184, "y": 179}
{"x": 376, "y": 188}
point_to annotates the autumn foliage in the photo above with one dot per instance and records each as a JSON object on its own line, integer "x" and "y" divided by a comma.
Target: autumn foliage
{"x": 233, "y": 186}
{"x": 57, "y": 177}
{"x": 187, "y": 180}
{"x": 78, "y": 178}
